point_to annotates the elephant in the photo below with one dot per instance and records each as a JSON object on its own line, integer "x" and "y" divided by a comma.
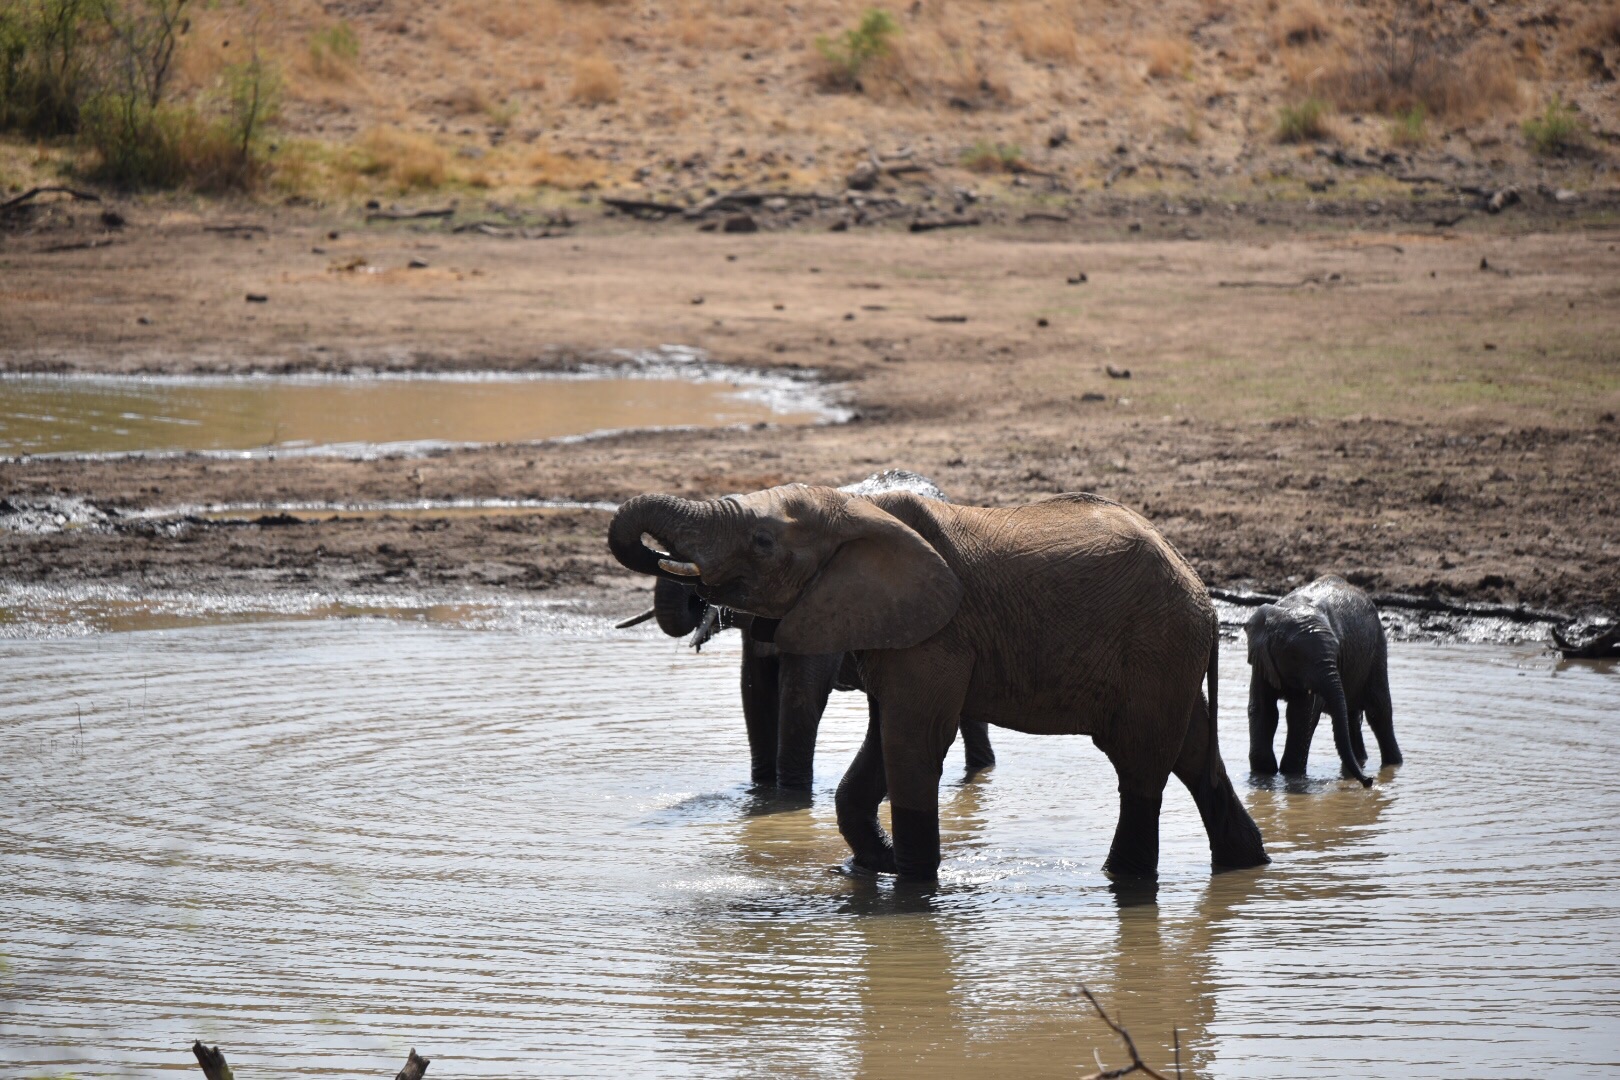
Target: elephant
{"x": 784, "y": 694}
{"x": 1072, "y": 615}
{"x": 1320, "y": 647}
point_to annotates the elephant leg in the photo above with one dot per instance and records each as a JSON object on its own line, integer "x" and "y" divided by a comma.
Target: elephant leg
{"x": 1262, "y": 724}
{"x": 1234, "y": 838}
{"x": 976, "y": 743}
{"x": 1303, "y": 713}
{"x": 1381, "y": 717}
{"x": 805, "y": 682}
{"x": 760, "y": 693}
{"x": 859, "y": 793}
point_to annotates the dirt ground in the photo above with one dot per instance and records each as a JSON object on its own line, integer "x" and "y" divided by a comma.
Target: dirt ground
{"x": 1426, "y": 410}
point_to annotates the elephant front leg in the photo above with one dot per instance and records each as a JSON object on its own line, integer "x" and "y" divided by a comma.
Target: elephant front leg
{"x": 1303, "y": 714}
{"x": 760, "y": 694}
{"x": 1262, "y": 725}
{"x": 859, "y": 793}
{"x": 805, "y": 683}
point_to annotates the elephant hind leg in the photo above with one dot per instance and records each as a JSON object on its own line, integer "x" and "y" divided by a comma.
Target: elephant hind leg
{"x": 1381, "y": 718}
{"x": 1135, "y": 850}
{"x": 1235, "y": 842}
{"x": 976, "y": 742}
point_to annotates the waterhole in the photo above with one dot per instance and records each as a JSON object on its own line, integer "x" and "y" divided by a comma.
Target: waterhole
{"x": 106, "y": 415}
{"x": 319, "y": 844}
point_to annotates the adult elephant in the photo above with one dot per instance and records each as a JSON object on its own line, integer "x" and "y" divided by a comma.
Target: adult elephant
{"x": 1069, "y": 616}
{"x": 783, "y": 693}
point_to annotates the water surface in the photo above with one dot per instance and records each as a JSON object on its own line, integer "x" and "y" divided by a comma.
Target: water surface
{"x": 322, "y": 843}
{"x": 110, "y": 415}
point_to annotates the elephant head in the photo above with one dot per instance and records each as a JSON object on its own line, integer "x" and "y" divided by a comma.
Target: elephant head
{"x": 838, "y": 572}
{"x": 1296, "y": 650}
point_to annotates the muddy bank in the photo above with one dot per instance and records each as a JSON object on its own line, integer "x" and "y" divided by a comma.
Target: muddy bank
{"x": 1429, "y": 414}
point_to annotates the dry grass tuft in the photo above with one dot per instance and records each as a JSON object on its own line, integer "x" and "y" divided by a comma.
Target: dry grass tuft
{"x": 596, "y": 81}
{"x": 466, "y": 100}
{"x": 551, "y": 169}
{"x": 1043, "y": 35}
{"x": 1302, "y": 23}
{"x": 1600, "y": 30}
{"x": 1166, "y": 57}
{"x": 407, "y": 159}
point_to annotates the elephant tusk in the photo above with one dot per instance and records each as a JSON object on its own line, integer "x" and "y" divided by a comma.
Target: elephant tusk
{"x": 635, "y": 620}
{"x": 684, "y": 569}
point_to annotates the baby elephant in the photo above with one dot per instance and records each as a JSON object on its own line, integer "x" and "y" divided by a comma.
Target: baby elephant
{"x": 1320, "y": 647}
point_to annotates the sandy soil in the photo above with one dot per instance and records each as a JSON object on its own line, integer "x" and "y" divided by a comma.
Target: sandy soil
{"x": 1424, "y": 410}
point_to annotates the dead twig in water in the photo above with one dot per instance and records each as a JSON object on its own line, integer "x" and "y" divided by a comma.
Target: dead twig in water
{"x": 214, "y": 1066}
{"x": 1137, "y": 1065}
{"x": 212, "y": 1061}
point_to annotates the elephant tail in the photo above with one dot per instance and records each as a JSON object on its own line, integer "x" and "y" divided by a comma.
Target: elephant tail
{"x": 1213, "y": 673}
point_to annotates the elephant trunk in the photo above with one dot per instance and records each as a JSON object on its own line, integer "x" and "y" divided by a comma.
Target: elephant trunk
{"x": 1330, "y": 689}
{"x": 677, "y": 607}
{"x": 678, "y": 524}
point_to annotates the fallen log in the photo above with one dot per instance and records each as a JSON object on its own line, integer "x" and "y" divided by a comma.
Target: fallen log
{"x": 641, "y": 206}
{"x": 410, "y": 215}
{"x": 36, "y": 192}
{"x": 235, "y": 228}
{"x": 929, "y": 224}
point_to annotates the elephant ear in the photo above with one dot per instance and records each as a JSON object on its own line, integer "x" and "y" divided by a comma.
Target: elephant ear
{"x": 677, "y": 607}
{"x": 884, "y": 588}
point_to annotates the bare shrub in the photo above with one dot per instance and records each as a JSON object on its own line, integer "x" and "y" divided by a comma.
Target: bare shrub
{"x": 1408, "y": 64}
{"x": 596, "y": 80}
{"x": 1044, "y": 35}
{"x": 408, "y": 159}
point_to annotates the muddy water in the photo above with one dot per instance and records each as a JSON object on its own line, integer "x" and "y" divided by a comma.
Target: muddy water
{"x": 150, "y": 414}
{"x": 319, "y": 844}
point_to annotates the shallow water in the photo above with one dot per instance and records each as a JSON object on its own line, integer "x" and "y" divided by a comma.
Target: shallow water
{"x": 104, "y": 415}
{"x": 322, "y": 843}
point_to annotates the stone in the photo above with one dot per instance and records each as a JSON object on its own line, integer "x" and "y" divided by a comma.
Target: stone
{"x": 741, "y": 223}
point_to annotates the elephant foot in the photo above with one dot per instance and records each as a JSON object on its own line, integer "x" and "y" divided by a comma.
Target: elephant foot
{"x": 1386, "y": 760}
{"x": 869, "y": 864}
{"x": 1263, "y": 765}
{"x": 916, "y": 841}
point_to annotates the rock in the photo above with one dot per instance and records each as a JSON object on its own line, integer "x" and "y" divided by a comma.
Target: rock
{"x": 841, "y": 225}
{"x": 1117, "y": 372}
{"x": 417, "y": 264}
{"x": 1564, "y": 195}
{"x": 1077, "y": 279}
{"x": 317, "y": 251}
{"x": 708, "y": 226}
{"x": 144, "y": 321}
{"x": 1502, "y": 200}
{"x": 333, "y": 235}
{"x": 257, "y": 298}
{"x": 1092, "y": 395}
{"x": 864, "y": 177}
{"x": 373, "y": 204}
{"x": 697, "y": 300}
{"x": 1135, "y": 226}
{"x": 1059, "y": 136}
{"x": 1042, "y": 322}
{"x": 741, "y": 223}
{"x": 776, "y": 205}
{"x": 112, "y": 219}
{"x": 849, "y": 316}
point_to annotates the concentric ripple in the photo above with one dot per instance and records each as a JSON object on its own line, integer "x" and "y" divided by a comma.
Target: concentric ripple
{"x": 319, "y": 844}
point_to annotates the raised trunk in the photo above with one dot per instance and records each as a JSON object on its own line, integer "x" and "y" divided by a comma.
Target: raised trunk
{"x": 684, "y": 526}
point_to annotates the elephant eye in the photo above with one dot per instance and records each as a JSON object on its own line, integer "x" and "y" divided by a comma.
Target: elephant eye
{"x": 763, "y": 541}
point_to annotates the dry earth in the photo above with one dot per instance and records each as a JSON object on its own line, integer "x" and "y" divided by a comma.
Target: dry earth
{"x": 1352, "y": 400}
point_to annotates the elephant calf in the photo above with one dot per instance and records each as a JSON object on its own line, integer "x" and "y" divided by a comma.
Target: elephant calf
{"x": 1319, "y": 647}
{"x": 783, "y": 693}
{"x": 1069, "y": 616}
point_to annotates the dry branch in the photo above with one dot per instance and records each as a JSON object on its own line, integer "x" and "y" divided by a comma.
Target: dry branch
{"x": 1137, "y": 1065}
{"x": 214, "y": 1067}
